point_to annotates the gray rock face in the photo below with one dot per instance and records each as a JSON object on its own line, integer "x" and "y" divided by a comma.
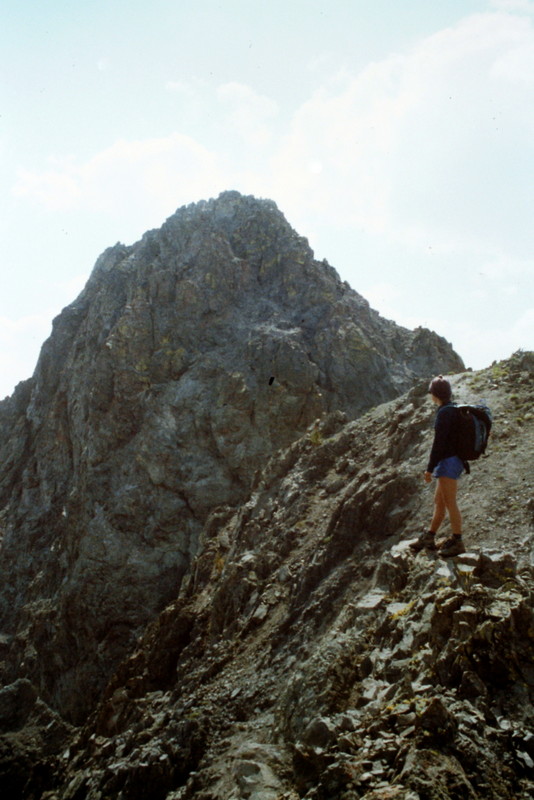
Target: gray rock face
{"x": 309, "y": 653}
{"x": 186, "y": 362}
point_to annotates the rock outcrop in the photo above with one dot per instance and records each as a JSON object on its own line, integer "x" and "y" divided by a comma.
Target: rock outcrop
{"x": 189, "y": 359}
{"x": 309, "y": 653}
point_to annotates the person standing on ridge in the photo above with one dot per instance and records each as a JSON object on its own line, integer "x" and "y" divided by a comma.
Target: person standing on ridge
{"x": 446, "y": 467}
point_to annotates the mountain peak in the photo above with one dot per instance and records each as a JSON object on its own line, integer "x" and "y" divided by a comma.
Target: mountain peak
{"x": 189, "y": 359}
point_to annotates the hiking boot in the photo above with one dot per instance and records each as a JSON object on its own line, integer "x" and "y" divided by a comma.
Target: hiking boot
{"x": 425, "y": 540}
{"x": 452, "y": 547}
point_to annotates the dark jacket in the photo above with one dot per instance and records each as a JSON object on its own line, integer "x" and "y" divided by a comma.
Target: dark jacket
{"x": 444, "y": 445}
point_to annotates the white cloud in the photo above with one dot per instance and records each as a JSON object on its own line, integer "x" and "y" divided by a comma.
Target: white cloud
{"x": 72, "y": 287}
{"x": 502, "y": 266}
{"x": 187, "y": 88}
{"x": 513, "y": 5}
{"x": 430, "y": 151}
{"x": 516, "y": 65}
{"x": 248, "y": 113}
{"x": 386, "y": 296}
{"x": 137, "y": 178}
{"x": 56, "y": 189}
{"x": 433, "y": 147}
{"x": 350, "y": 131}
{"x": 11, "y": 329}
{"x": 495, "y": 343}
{"x": 523, "y": 330}
{"x": 181, "y": 87}
{"x": 20, "y": 343}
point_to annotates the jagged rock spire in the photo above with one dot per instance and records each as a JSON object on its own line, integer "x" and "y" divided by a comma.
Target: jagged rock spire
{"x": 188, "y": 360}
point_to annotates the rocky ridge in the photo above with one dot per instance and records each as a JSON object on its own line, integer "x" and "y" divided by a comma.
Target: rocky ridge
{"x": 189, "y": 359}
{"x": 310, "y": 654}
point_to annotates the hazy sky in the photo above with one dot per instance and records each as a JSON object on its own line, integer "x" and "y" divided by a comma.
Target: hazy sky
{"x": 397, "y": 135}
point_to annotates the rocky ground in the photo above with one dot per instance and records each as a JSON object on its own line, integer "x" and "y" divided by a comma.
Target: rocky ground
{"x": 188, "y": 359}
{"x": 310, "y": 654}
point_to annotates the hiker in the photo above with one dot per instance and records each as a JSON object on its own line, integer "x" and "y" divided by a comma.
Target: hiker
{"x": 446, "y": 467}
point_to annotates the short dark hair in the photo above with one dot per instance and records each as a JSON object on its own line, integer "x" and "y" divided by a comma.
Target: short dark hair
{"x": 441, "y": 388}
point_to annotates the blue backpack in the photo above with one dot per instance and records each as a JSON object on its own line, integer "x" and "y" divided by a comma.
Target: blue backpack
{"x": 473, "y": 427}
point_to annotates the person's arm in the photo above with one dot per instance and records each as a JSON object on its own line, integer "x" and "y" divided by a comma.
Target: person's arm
{"x": 442, "y": 431}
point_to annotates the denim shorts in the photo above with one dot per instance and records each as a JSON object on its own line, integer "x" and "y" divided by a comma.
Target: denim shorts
{"x": 449, "y": 468}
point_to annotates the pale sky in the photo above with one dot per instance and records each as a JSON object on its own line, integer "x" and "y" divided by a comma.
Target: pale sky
{"x": 396, "y": 135}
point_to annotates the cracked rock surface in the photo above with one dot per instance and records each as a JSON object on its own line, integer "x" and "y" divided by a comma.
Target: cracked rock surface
{"x": 186, "y": 362}
{"x": 303, "y": 651}
{"x": 310, "y": 654}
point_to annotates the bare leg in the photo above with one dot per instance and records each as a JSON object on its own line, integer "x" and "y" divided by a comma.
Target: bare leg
{"x": 446, "y": 494}
{"x": 439, "y": 508}
{"x": 444, "y": 503}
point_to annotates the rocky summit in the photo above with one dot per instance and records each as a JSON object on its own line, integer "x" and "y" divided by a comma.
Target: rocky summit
{"x": 186, "y": 362}
{"x": 207, "y": 490}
